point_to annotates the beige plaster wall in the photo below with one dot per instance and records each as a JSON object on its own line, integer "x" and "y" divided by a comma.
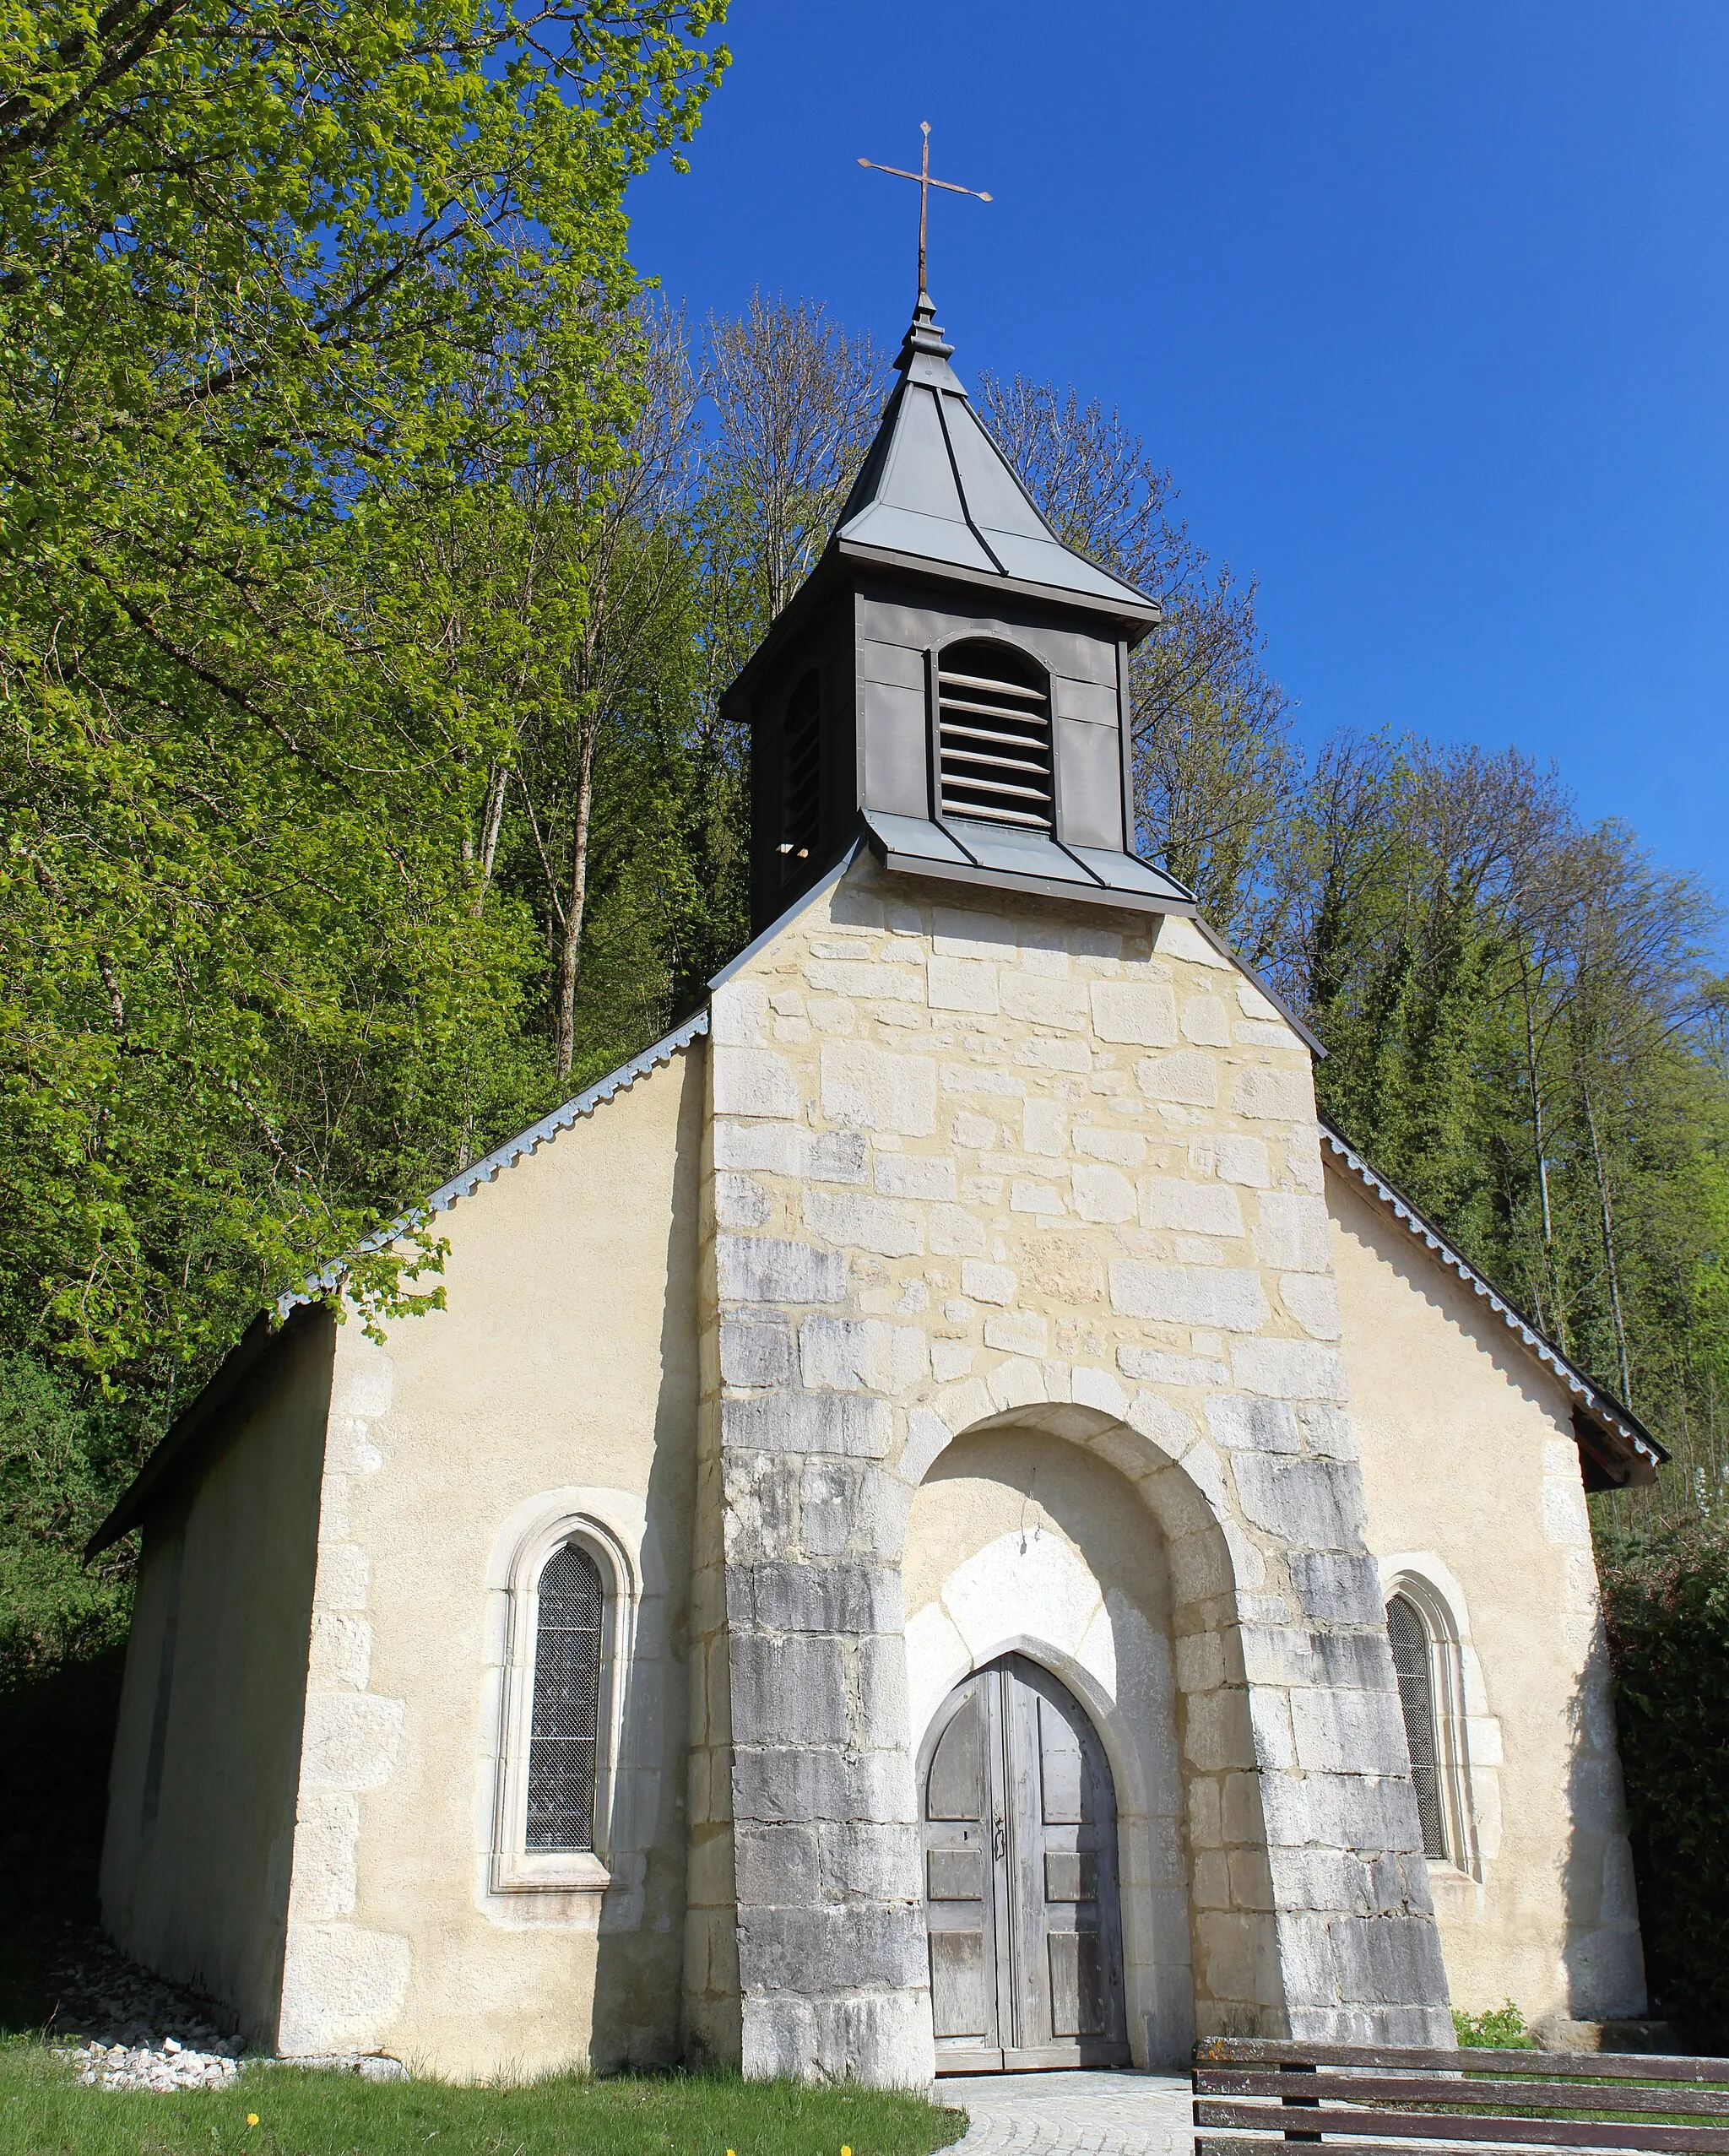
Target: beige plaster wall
{"x": 215, "y": 1670}
{"x": 1473, "y": 1483}
{"x": 560, "y": 1377}
{"x": 1020, "y": 1541}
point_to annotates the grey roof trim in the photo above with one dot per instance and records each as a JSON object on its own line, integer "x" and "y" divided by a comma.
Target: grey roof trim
{"x": 1093, "y": 893}
{"x": 1145, "y": 613}
{"x": 825, "y": 882}
{"x": 244, "y": 1362}
{"x": 1272, "y": 995}
{"x": 271, "y": 1327}
{"x": 486, "y": 1169}
{"x": 1603, "y": 1409}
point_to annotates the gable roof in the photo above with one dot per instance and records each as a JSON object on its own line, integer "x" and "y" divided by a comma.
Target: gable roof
{"x": 935, "y": 488}
{"x": 245, "y": 1360}
{"x": 1623, "y": 1449}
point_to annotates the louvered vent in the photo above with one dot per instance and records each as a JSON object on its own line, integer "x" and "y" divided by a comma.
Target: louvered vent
{"x": 800, "y": 765}
{"x": 994, "y": 717}
{"x": 563, "y": 1736}
{"x": 1410, "y": 1637}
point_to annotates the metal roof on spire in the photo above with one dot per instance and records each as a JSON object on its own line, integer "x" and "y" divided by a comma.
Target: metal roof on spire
{"x": 936, "y": 488}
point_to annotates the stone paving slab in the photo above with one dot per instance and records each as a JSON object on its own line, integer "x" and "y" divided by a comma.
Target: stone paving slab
{"x": 1119, "y": 2113}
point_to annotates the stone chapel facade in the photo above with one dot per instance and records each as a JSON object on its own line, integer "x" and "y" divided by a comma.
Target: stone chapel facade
{"x": 948, "y": 1522}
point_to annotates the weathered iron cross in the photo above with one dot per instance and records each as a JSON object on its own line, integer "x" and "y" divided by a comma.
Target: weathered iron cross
{"x": 925, "y": 183}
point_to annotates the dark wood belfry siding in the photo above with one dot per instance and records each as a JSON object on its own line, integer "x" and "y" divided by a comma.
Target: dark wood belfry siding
{"x": 896, "y": 628}
{"x": 874, "y": 647}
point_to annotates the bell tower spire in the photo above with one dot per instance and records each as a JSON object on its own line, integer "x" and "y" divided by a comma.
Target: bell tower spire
{"x": 951, "y": 683}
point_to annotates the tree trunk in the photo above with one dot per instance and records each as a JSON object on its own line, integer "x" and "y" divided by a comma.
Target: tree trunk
{"x": 571, "y": 939}
{"x": 1606, "y": 1212}
{"x": 491, "y": 821}
{"x": 1549, "y": 1312}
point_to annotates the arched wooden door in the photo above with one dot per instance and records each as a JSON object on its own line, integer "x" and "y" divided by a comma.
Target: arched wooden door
{"x": 1020, "y": 1825}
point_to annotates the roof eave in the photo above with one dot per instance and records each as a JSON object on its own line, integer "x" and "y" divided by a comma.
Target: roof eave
{"x": 1630, "y": 1455}
{"x": 174, "y": 1452}
{"x": 1136, "y": 616}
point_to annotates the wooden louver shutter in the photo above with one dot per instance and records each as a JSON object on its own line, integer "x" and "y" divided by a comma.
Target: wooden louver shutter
{"x": 993, "y": 722}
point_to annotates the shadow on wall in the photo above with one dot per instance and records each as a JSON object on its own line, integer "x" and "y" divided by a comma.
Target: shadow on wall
{"x": 637, "y": 1974}
{"x": 57, "y": 1736}
{"x": 1606, "y": 1978}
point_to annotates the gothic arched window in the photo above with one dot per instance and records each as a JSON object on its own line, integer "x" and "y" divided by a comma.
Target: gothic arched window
{"x": 565, "y": 1645}
{"x": 563, "y": 1733}
{"x": 994, "y": 731}
{"x": 801, "y": 776}
{"x": 1414, "y": 1658}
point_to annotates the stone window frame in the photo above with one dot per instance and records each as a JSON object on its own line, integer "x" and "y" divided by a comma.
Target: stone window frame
{"x": 515, "y": 1868}
{"x": 1447, "y": 1633}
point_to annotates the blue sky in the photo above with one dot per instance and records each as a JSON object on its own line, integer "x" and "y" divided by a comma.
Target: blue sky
{"x": 1425, "y": 307}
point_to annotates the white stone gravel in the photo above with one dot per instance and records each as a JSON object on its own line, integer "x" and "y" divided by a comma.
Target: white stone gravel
{"x": 172, "y": 2066}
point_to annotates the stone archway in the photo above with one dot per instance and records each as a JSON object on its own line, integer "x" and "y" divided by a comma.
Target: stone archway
{"x": 1031, "y": 1534}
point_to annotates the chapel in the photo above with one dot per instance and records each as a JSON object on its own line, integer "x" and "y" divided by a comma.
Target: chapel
{"x": 949, "y": 1522}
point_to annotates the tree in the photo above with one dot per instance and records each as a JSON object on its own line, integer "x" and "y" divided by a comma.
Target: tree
{"x": 1212, "y": 751}
{"x": 266, "y": 276}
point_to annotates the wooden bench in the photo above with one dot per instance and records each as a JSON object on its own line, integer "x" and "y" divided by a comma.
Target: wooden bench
{"x": 1385, "y": 2100}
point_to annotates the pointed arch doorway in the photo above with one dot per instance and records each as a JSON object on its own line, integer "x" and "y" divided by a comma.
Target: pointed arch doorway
{"x": 1019, "y": 1819}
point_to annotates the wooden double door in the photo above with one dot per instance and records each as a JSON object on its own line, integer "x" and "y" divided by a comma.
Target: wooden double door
{"x": 1019, "y": 1827}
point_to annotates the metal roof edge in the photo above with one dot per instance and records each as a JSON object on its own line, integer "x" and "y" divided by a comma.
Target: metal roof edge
{"x": 1591, "y": 1398}
{"x": 1144, "y": 615}
{"x": 486, "y": 1169}
{"x": 1222, "y": 945}
{"x": 271, "y": 1326}
{"x": 241, "y": 1364}
{"x": 824, "y": 882}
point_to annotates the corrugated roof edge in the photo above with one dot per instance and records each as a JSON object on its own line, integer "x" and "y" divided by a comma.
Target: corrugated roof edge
{"x": 486, "y": 1169}
{"x": 1610, "y": 1416}
{"x": 261, "y": 1335}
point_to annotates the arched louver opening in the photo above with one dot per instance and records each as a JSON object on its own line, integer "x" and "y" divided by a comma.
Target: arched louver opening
{"x": 565, "y": 1733}
{"x": 801, "y": 767}
{"x": 1413, "y": 1662}
{"x": 994, "y": 718}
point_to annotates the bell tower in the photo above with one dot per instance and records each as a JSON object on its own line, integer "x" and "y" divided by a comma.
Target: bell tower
{"x": 951, "y": 681}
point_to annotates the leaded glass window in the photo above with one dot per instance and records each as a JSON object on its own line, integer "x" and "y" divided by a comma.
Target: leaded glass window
{"x": 565, "y": 1729}
{"x": 1413, "y": 1662}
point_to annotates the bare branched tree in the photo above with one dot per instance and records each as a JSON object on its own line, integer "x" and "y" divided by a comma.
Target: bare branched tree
{"x": 1212, "y": 754}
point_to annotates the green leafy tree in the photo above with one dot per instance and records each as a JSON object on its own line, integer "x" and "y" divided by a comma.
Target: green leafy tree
{"x": 268, "y": 278}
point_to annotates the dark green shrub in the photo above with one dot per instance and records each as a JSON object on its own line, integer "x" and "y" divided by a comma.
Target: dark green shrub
{"x": 1667, "y": 1603}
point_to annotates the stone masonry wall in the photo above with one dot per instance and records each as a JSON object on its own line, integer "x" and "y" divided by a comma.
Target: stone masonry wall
{"x": 1011, "y": 1160}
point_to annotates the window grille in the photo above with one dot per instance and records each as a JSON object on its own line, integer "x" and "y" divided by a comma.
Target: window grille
{"x": 801, "y": 764}
{"x": 1413, "y": 1664}
{"x": 564, "y": 1732}
{"x": 993, "y": 723}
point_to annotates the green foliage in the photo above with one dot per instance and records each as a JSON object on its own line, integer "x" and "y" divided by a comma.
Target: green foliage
{"x": 60, "y": 1464}
{"x": 1666, "y": 1604}
{"x": 1502, "y": 2028}
{"x": 267, "y": 274}
{"x": 301, "y": 2113}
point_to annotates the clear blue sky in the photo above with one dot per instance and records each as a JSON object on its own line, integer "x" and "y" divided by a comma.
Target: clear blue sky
{"x": 1424, "y": 307}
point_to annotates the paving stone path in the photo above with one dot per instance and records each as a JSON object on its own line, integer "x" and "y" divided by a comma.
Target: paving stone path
{"x": 1119, "y": 2114}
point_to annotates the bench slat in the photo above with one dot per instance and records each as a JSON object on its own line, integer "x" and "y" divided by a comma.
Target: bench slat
{"x": 1594, "y": 2066}
{"x": 1430, "y": 2126}
{"x": 1339, "y": 2085}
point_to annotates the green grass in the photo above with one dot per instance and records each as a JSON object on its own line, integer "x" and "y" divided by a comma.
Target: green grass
{"x": 44, "y": 2112}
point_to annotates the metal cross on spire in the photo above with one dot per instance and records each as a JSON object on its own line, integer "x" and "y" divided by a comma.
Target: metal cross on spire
{"x": 925, "y": 183}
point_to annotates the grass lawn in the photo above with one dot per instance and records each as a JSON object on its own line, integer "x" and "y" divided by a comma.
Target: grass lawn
{"x": 44, "y": 2112}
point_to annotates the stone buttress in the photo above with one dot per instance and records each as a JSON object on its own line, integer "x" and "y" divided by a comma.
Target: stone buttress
{"x": 1008, "y": 1159}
